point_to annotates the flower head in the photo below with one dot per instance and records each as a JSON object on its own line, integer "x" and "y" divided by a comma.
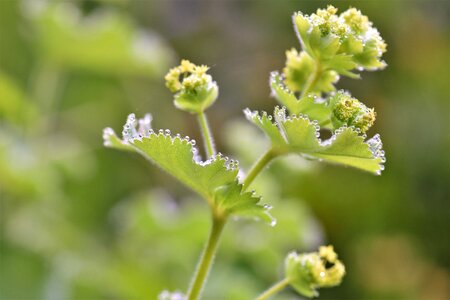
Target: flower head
{"x": 347, "y": 110}
{"x": 309, "y": 271}
{"x": 194, "y": 89}
{"x": 348, "y": 38}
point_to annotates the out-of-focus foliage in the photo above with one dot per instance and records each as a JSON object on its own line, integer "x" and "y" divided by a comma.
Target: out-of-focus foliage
{"x": 105, "y": 41}
{"x": 82, "y": 222}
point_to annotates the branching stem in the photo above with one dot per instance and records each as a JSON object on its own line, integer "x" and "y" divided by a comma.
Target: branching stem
{"x": 276, "y": 288}
{"x": 206, "y": 259}
{"x": 207, "y": 136}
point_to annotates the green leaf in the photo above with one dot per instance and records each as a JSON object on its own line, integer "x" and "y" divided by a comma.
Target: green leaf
{"x": 310, "y": 105}
{"x": 298, "y": 134}
{"x": 233, "y": 200}
{"x": 14, "y": 107}
{"x": 343, "y": 64}
{"x": 103, "y": 41}
{"x": 214, "y": 179}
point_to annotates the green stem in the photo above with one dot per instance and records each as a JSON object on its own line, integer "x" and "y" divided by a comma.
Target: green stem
{"x": 206, "y": 259}
{"x": 258, "y": 166}
{"x": 276, "y": 288}
{"x": 312, "y": 80}
{"x": 207, "y": 136}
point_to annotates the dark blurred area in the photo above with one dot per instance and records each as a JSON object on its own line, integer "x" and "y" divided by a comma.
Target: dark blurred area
{"x": 80, "y": 221}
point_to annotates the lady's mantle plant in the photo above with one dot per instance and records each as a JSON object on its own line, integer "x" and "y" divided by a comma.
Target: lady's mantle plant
{"x": 333, "y": 45}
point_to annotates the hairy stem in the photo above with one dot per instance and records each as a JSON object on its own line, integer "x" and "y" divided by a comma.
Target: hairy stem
{"x": 207, "y": 136}
{"x": 312, "y": 80}
{"x": 206, "y": 259}
{"x": 276, "y": 288}
{"x": 258, "y": 167}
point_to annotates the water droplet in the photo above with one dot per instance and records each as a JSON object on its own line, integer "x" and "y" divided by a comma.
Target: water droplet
{"x": 160, "y": 131}
{"x": 193, "y": 142}
{"x": 273, "y": 223}
{"x": 167, "y": 131}
{"x": 131, "y": 118}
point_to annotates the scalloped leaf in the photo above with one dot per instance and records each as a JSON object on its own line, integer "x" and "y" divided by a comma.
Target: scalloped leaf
{"x": 310, "y": 105}
{"x": 300, "y": 135}
{"x": 233, "y": 200}
{"x": 177, "y": 156}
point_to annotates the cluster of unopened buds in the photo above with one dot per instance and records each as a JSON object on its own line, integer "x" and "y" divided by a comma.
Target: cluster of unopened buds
{"x": 194, "y": 89}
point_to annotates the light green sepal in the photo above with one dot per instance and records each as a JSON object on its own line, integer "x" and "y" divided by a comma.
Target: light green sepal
{"x": 297, "y": 134}
{"x": 178, "y": 157}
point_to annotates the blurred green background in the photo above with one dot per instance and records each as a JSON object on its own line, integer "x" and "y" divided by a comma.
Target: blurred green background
{"x": 79, "y": 221}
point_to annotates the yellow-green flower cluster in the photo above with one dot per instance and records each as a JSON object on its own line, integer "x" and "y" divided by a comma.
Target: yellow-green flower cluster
{"x": 194, "y": 89}
{"x": 328, "y": 22}
{"x": 349, "y": 111}
{"x": 309, "y": 271}
{"x": 341, "y": 42}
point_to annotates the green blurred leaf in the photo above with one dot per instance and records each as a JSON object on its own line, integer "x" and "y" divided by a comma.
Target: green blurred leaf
{"x": 14, "y": 107}
{"x": 103, "y": 42}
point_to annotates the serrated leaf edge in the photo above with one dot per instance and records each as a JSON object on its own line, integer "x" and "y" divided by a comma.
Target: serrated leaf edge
{"x": 374, "y": 144}
{"x": 144, "y": 131}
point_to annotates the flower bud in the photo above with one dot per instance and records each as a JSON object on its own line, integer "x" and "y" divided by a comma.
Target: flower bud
{"x": 194, "y": 89}
{"x": 349, "y": 111}
{"x": 309, "y": 271}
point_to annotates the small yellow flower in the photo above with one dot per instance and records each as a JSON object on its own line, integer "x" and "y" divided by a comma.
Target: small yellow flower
{"x": 194, "y": 89}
